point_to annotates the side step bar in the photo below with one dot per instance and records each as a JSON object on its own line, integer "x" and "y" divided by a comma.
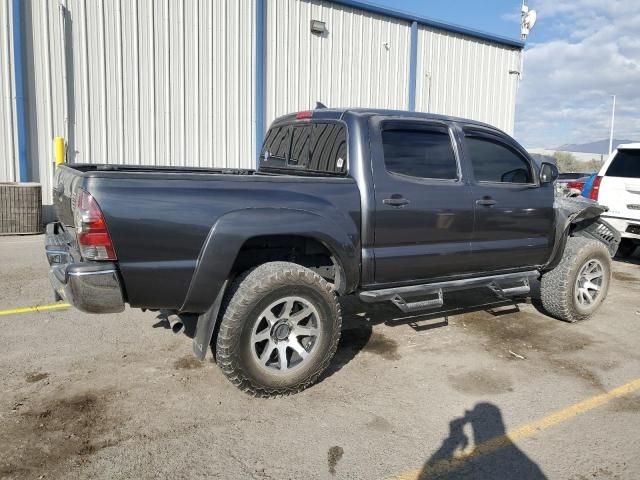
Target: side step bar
{"x": 436, "y": 302}
{"x": 505, "y": 285}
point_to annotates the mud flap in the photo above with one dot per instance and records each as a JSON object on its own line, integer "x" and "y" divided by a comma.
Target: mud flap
{"x": 206, "y": 325}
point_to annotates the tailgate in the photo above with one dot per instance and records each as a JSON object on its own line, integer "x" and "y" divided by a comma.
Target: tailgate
{"x": 65, "y": 181}
{"x": 621, "y": 195}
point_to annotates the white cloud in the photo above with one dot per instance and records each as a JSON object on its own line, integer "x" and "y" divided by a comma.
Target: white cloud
{"x": 565, "y": 95}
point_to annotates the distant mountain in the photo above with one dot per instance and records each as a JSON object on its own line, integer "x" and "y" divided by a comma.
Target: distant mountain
{"x": 601, "y": 146}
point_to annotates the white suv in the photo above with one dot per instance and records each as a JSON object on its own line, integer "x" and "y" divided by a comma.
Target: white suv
{"x": 617, "y": 186}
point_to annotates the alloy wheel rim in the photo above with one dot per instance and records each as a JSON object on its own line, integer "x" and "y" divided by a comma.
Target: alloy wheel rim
{"x": 589, "y": 283}
{"x": 285, "y": 334}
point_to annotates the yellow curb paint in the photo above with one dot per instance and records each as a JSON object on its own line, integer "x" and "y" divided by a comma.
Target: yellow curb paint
{"x": 37, "y": 308}
{"x": 524, "y": 431}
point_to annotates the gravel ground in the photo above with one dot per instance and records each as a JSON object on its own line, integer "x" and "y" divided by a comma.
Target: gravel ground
{"x": 121, "y": 396}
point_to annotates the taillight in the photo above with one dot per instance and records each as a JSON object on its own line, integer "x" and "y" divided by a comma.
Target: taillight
{"x": 575, "y": 184}
{"x": 91, "y": 229}
{"x": 595, "y": 188}
{"x": 307, "y": 114}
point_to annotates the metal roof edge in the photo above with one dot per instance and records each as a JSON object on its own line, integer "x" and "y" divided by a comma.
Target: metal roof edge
{"x": 410, "y": 17}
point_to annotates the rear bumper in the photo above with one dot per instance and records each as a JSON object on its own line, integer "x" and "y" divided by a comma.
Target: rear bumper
{"x": 623, "y": 225}
{"x": 92, "y": 287}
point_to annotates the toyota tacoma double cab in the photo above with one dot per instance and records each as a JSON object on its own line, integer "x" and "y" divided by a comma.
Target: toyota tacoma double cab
{"x": 391, "y": 206}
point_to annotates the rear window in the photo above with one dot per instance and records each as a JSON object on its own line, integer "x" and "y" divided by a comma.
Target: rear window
{"x": 275, "y": 148}
{"x": 626, "y": 163}
{"x": 314, "y": 147}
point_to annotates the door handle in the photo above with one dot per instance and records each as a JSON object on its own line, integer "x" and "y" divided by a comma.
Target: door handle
{"x": 487, "y": 202}
{"x": 396, "y": 201}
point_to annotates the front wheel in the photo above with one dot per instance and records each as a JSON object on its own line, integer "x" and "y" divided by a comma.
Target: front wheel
{"x": 575, "y": 289}
{"x": 279, "y": 331}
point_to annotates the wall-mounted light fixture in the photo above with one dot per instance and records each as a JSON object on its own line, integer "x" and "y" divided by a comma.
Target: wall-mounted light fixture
{"x": 318, "y": 27}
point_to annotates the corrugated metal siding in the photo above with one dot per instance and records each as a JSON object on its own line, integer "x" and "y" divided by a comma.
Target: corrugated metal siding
{"x": 8, "y": 146}
{"x": 362, "y": 61}
{"x": 466, "y": 77}
{"x": 172, "y": 82}
{"x": 166, "y": 82}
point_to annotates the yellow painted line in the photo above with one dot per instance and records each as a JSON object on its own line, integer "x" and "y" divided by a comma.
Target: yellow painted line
{"x": 527, "y": 430}
{"x": 37, "y": 308}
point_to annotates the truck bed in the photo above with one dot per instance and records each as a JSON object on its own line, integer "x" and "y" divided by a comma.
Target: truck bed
{"x": 159, "y": 218}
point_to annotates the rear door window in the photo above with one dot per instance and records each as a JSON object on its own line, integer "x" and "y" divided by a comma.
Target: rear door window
{"x": 626, "y": 163}
{"x": 420, "y": 153}
{"x": 496, "y": 162}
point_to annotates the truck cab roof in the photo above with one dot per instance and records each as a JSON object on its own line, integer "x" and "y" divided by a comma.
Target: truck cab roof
{"x": 341, "y": 113}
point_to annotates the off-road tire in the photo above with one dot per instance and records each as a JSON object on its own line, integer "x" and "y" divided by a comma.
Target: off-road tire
{"x": 557, "y": 286}
{"x": 249, "y": 294}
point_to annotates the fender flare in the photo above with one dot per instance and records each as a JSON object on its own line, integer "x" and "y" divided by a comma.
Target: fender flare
{"x": 232, "y": 230}
{"x": 581, "y": 216}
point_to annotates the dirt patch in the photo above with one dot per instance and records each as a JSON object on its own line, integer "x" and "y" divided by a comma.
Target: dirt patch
{"x": 333, "y": 457}
{"x": 578, "y": 370}
{"x": 481, "y": 382}
{"x": 625, "y": 277}
{"x": 384, "y": 346}
{"x": 364, "y": 339}
{"x": 525, "y": 332}
{"x": 34, "y": 377}
{"x": 41, "y": 440}
{"x": 188, "y": 362}
{"x": 380, "y": 424}
{"x": 629, "y": 403}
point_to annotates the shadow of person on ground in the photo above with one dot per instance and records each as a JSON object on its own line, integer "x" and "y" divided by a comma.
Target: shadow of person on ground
{"x": 491, "y": 454}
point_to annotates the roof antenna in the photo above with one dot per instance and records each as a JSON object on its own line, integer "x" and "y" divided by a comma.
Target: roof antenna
{"x": 320, "y": 105}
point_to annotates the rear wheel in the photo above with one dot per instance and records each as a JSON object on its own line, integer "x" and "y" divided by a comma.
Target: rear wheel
{"x": 575, "y": 289}
{"x": 280, "y": 329}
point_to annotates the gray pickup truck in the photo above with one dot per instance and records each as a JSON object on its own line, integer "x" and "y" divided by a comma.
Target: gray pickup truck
{"x": 393, "y": 206}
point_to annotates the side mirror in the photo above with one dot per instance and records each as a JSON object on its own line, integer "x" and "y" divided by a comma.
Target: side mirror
{"x": 548, "y": 173}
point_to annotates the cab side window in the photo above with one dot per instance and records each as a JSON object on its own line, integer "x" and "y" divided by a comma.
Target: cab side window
{"x": 420, "y": 153}
{"x": 495, "y": 162}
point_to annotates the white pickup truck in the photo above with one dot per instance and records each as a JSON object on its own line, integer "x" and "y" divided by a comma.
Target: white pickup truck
{"x": 617, "y": 186}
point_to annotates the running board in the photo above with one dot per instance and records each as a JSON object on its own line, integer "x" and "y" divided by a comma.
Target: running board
{"x": 505, "y": 285}
{"x": 410, "y": 307}
{"x": 523, "y": 289}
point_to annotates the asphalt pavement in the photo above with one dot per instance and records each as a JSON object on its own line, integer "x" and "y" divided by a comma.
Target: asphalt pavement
{"x": 478, "y": 390}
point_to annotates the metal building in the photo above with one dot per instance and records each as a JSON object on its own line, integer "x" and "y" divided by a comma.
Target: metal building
{"x": 197, "y": 82}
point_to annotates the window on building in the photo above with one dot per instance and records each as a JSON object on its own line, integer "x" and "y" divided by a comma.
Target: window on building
{"x": 420, "y": 153}
{"x": 495, "y": 162}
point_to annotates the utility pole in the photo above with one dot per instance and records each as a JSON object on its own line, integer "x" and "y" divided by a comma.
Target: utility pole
{"x": 613, "y": 117}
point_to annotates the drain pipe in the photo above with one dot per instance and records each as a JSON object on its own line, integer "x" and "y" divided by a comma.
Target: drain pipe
{"x": 19, "y": 89}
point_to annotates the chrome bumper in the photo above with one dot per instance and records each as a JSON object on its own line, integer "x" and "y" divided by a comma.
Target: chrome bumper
{"x": 92, "y": 287}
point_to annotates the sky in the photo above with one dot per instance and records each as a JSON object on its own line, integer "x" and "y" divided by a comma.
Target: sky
{"x": 579, "y": 53}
